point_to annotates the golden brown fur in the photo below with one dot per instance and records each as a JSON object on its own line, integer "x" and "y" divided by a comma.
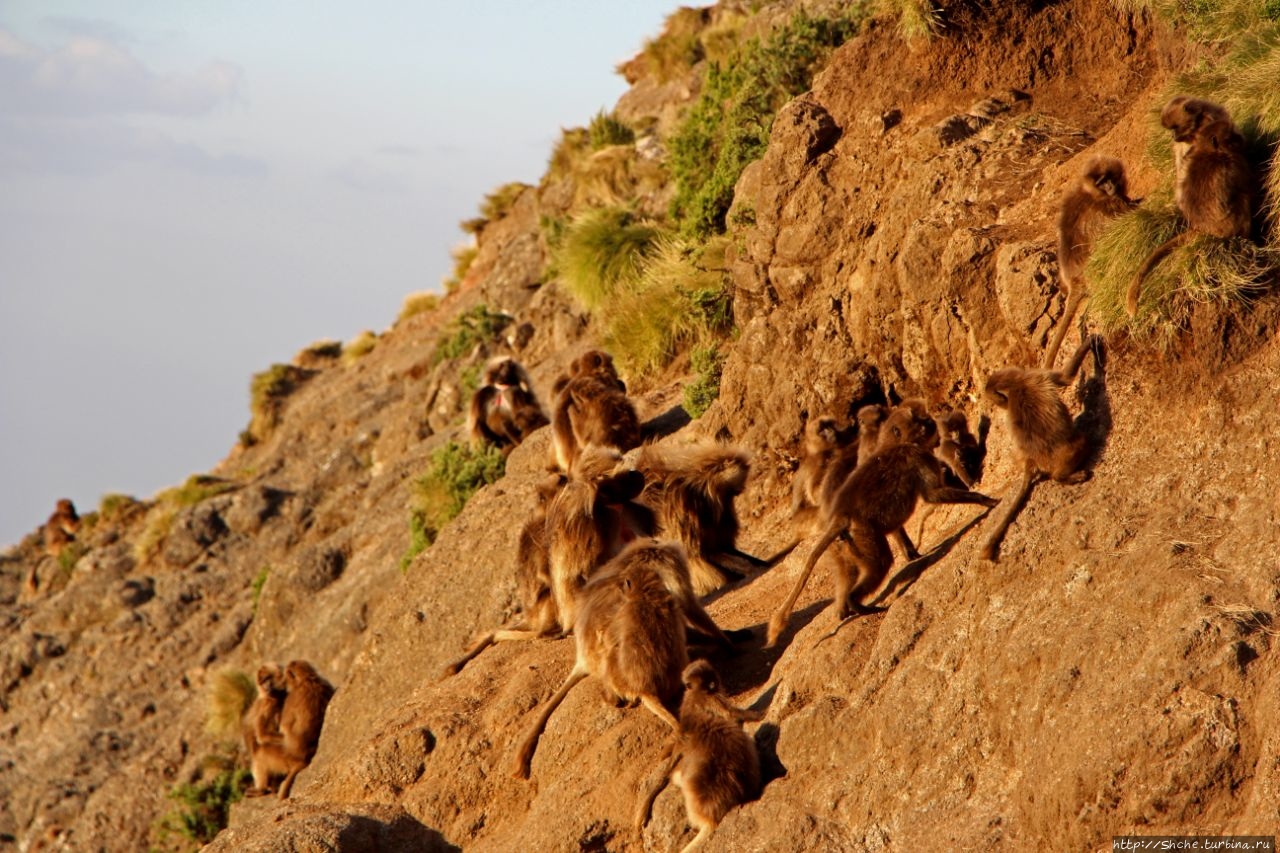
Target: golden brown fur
{"x": 1183, "y": 117}
{"x": 592, "y": 407}
{"x": 629, "y": 633}
{"x": 821, "y": 449}
{"x": 691, "y": 490}
{"x": 875, "y": 500}
{"x": 1099, "y": 195}
{"x": 715, "y": 762}
{"x": 539, "y": 617}
{"x": 589, "y": 521}
{"x": 504, "y": 409}
{"x": 301, "y": 718}
{"x": 1216, "y": 192}
{"x": 1044, "y": 435}
{"x": 261, "y": 723}
{"x": 959, "y": 450}
{"x": 60, "y": 530}
{"x": 869, "y": 420}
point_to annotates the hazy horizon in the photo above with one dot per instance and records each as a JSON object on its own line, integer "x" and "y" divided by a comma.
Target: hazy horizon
{"x": 197, "y": 191}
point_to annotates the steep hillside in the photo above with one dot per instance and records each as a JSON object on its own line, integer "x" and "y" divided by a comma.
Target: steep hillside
{"x": 1113, "y": 673}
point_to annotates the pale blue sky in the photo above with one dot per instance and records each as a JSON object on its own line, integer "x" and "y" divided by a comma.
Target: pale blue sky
{"x": 190, "y": 191}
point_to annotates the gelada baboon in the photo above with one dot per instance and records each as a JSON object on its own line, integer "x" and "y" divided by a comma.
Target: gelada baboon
{"x": 869, "y": 420}
{"x": 261, "y": 724}
{"x": 823, "y": 444}
{"x": 959, "y": 449}
{"x": 504, "y": 409}
{"x": 1183, "y": 117}
{"x": 307, "y": 696}
{"x": 1045, "y": 437}
{"x": 1100, "y": 194}
{"x": 714, "y": 762}
{"x": 589, "y": 520}
{"x": 1216, "y": 191}
{"x": 691, "y": 490}
{"x": 875, "y": 500}
{"x": 592, "y": 408}
{"x": 538, "y": 615}
{"x": 60, "y": 529}
{"x": 630, "y": 634}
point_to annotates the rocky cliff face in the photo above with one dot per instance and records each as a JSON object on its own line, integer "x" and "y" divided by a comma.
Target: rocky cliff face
{"x": 1113, "y": 673}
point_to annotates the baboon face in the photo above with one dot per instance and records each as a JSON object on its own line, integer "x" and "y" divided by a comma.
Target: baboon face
{"x": 825, "y": 429}
{"x": 700, "y": 675}
{"x": 1107, "y": 178}
{"x": 1220, "y": 136}
{"x": 270, "y": 678}
{"x": 1184, "y": 116}
{"x": 298, "y": 673}
{"x": 66, "y": 507}
{"x": 910, "y": 423}
{"x": 502, "y": 372}
{"x": 998, "y": 383}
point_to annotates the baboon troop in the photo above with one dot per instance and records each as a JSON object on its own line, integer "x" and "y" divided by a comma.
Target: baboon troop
{"x": 504, "y": 409}
{"x": 282, "y": 727}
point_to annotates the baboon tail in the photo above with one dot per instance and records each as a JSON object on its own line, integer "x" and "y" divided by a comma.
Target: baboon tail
{"x": 1135, "y": 289}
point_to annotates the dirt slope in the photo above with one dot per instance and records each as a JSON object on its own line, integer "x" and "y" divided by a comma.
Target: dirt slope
{"x": 1113, "y": 673}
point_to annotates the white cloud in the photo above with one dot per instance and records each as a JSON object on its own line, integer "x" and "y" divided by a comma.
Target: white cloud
{"x": 90, "y": 75}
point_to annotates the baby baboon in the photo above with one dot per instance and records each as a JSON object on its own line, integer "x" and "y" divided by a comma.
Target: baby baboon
{"x": 876, "y": 500}
{"x": 588, "y": 521}
{"x": 1098, "y": 196}
{"x": 60, "y": 529}
{"x": 959, "y": 450}
{"x": 1216, "y": 192}
{"x": 691, "y": 491}
{"x": 307, "y": 696}
{"x": 504, "y": 410}
{"x": 261, "y": 724}
{"x": 592, "y": 408}
{"x": 869, "y": 420}
{"x": 715, "y": 762}
{"x": 1044, "y": 435}
{"x": 629, "y": 633}
{"x": 824, "y": 441}
{"x": 533, "y": 575}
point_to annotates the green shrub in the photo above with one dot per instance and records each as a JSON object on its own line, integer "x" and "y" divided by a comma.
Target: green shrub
{"x": 474, "y": 326}
{"x": 202, "y": 810}
{"x": 707, "y": 363}
{"x": 605, "y": 130}
{"x": 601, "y": 251}
{"x": 455, "y": 473}
{"x": 728, "y": 126}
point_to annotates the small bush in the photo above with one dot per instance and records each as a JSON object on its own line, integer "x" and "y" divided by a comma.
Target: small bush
{"x": 498, "y": 203}
{"x": 605, "y": 130}
{"x": 574, "y": 145}
{"x": 320, "y": 351}
{"x": 230, "y": 693}
{"x": 674, "y": 302}
{"x": 728, "y": 126}
{"x": 600, "y": 252}
{"x": 707, "y": 363}
{"x": 678, "y": 48}
{"x": 196, "y": 489}
{"x": 267, "y": 392}
{"x": 474, "y": 326}
{"x": 455, "y": 473}
{"x": 202, "y": 809}
{"x": 418, "y": 303}
{"x": 358, "y": 347}
{"x": 119, "y": 509}
{"x": 257, "y": 584}
{"x": 463, "y": 256}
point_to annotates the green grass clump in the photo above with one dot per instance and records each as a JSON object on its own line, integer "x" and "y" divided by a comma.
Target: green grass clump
{"x": 605, "y": 130}
{"x": 916, "y": 18}
{"x": 358, "y": 347}
{"x": 267, "y": 392}
{"x": 116, "y": 508}
{"x": 1223, "y": 274}
{"x": 201, "y": 811}
{"x": 230, "y": 693}
{"x": 498, "y": 203}
{"x": 728, "y": 126}
{"x": 463, "y": 256}
{"x": 455, "y": 473}
{"x": 674, "y": 302}
{"x": 601, "y": 252}
{"x": 196, "y": 488}
{"x": 71, "y": 554}
{"x": 257, "y": 584}
{"x": 418, "y": 303}
{"x": 474, "y": 326}
{"x": 707, "y": 363}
